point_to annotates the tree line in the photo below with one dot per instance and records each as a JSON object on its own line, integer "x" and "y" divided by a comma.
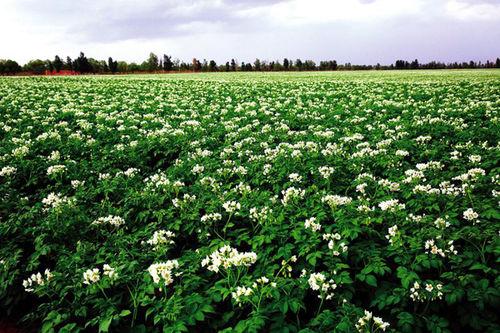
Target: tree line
{"x": 84, "y": 65}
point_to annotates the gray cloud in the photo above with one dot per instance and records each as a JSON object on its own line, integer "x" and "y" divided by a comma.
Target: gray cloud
{"x": 358, "y": 31}
{"x": 116, "y": 20}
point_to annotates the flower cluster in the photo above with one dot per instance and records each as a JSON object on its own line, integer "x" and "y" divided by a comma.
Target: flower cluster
{"x": 326, "y": 171}
{"x": 93, "y": 275}
{"x": 429, "y": 292}
{"x": 130, "y": 172}
{"x": 291, "y": 194}
{"x": 231, "y": 206}
{"x": 311, "y": 223}
{"x": 56, "y": 201}
{"x": 470, "y": 215}
{"x": 213, "y": 217}
{"x": 55, "y": 170}
{"x": 441, "y": 223}
{"x": 336, "y": 200}
{"x": 369, "y": 323}
{"x": 257, "y": 287}
{"x": 162, "y": 272}
{"x": 295, "y": 177}
{"x": 431, "y": 247}
{"x": 184, "y": 202}
{"x": 227, "y": 257}
{"x": 110, "y": 219}
{"x": 157, "y": 181}
{"x": 336, "y": 247}
{"x": 161, "y": 238}
{"x": 392, "y": 232}
{"x": 391, "y": 205}
{"x": 260, "y": 215}
{"x": 197, "y": 169}
{"x": 7, "y": 171}
{"x": 318, "y": 282}
{"x": 286, "y": 267}
{"x": 37, "y": 279}
{"x": 241, "y": 291}
{"x": 77, "y": 183}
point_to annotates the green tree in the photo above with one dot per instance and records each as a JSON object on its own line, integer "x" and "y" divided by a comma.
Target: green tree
{"x": 122, "y": 67}
{"x": 402, "y": 64}
{"x": 298, "y": 64}
{"x": 329, "y": 65}
{"x": 167, "y": 63}
{"x": 9, "y": 67}
{"x": 58, "y": 64}
{"x": 68, "y": 64}
{"x": 112, "y": 65}
{"x": 176, "y": 64}
{"x": 36, "y": 66}
{"x": 277, "y": 66}
{"x": 309, "y": 65}
{"x": 82, "y": 64}
{"x": 133, "y": 67}
{"x": 152, "y": 62}
{"x": 212, "y": 66}
{"x": 257, "y": 65}
{"x": 196, "y": 65}
{"x": 97, "y": 66}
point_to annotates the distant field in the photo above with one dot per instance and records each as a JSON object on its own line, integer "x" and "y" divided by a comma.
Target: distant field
{"x": 273, "y": 202}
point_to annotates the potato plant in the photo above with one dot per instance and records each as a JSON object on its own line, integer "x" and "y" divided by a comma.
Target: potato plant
{"x": 311, "y": 202}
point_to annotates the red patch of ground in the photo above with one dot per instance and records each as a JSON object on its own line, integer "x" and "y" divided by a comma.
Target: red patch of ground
{"x": 8, "y": 327}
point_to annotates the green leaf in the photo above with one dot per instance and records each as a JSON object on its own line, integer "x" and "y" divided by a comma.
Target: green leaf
{"x": 47, "y": 327}
{"x": 125, "y": 313}
{"x": 199, "y": 316}
{"x": 371, "y": 280}
{"x": 68, "y": 328}
{"x": 104, "y": 324}
{"x": 284, "y": 306}
{"x": 294, "y": 305}
{"x": 406, "y": 322}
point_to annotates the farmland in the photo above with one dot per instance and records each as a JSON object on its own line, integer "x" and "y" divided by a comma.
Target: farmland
{"x": 277, "y": 202}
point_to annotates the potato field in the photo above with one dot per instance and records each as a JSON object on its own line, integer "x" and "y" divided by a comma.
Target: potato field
{"x": 251, "y": 202}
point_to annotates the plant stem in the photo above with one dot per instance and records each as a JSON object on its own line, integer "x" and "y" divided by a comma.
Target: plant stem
{"x": 320, "y": 305}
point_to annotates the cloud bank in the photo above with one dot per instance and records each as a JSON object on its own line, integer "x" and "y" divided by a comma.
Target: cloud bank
{"x": 358, "y": 31}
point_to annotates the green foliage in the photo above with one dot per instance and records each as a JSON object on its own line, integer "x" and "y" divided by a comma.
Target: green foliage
{"x": 356, "y": 192}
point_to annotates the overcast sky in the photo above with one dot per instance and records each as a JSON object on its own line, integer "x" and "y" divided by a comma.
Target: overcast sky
{"x": 356, "y": 31}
